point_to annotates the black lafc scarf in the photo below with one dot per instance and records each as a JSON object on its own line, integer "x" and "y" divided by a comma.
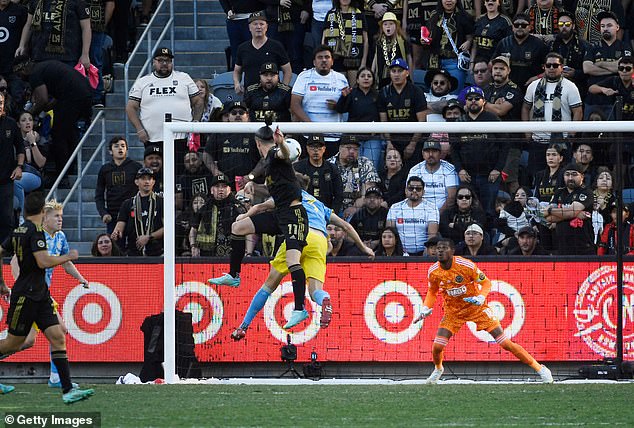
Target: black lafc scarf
{"x": 57, "y": 12}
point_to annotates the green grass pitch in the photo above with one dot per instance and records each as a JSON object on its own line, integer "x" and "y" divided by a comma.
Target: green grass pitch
{"x": 476, "y": 405}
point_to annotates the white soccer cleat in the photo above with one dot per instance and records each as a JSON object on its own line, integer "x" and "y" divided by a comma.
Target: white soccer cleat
{"x": 545, "y": 375}
{"x": 435, "y": 375}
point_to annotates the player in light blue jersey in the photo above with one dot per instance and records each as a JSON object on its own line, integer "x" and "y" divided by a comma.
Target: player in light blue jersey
{"x": 57, "y": 245}
{"x": 313, "y": 261}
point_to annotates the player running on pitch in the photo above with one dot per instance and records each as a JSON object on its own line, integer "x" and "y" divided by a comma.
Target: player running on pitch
{"x": 464, "y": 288}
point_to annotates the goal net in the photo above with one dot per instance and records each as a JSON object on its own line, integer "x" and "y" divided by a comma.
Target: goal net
{"x": 560, "y": 305}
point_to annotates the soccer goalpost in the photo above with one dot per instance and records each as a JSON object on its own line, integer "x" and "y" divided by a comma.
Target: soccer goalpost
{"x": 171, "y": 128}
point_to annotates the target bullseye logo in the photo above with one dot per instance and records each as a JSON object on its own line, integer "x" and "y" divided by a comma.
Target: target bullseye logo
{"x": 205, "y": 305}
{"x": 271, "y": 313}
{"x": 390, "y": 310}
{"x": 4, "y": 34}
{"x": 498, "y": 308}
{"x": 93, "y": 316}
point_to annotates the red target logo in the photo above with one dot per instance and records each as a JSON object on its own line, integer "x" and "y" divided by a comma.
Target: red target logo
{"x": 93, "y": 316}
{"x": 278, "y": 307}
{"x": 205, "y": 305}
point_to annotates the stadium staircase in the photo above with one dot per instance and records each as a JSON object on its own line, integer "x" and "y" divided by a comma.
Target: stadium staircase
{"x": 201, "y": 57}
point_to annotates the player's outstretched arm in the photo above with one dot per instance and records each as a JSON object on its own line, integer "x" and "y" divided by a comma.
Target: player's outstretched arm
{"x": 267, "y": 205}
{"x": 71, "y": 269}
{"x": 280, "y": 141}
{"x": 45, "y": 260}
{"x": 338, "y": 221}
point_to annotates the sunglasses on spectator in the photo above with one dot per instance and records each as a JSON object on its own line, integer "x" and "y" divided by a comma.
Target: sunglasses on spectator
{"x": 565, "y": 24}
{"x": 473, "y": 98}
{"x": 415, "y": 188}
{"x": 627, "y": 68}
{"x": 238, "y": 112}
{"x": 439, "y": 82}
{"x": 521, "y": 24}
{"x": 465, "y": 197}
{"x": 552, "y": 65}
{"x": 480, "y": 70}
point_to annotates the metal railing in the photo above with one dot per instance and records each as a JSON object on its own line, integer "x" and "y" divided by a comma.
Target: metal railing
{"x": 150, "y": 46}
{"x": 82, "y": 169}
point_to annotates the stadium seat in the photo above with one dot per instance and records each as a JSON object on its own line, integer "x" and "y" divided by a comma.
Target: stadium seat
{"x": 628, "y": 196}
{"x": 222, "y": 87}
{"x": 418, "y": 77}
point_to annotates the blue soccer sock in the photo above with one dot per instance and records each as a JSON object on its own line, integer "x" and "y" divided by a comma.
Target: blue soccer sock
{"x": 258, "y": 302}
{"x": 319, "y": 296}
{"x": 54, "y": 377}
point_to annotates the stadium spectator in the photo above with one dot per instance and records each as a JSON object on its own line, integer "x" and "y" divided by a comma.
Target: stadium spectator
{"x": 481, "y": 77}
{"x": 12, "y": 107}
{"x": 440, "y": 177}
{"x": 100, "y": 15}
{"x": 611, "y": 87}
{"x": 211, "y": 105}
{"x": 115, "y": 182}
{"x": 324, "y": 178}
{"x": 601, "y": 61}
{"x": 402, "y": 101}
{"x": 56, "y": 85}
{"x": 603, "y": 194}
{"x": 57, "y": 30}
{"x": 545, "y": 184}
{"x": 503, "y": 97}
{"x": 369, "y": 220}
{"x": 390, "y": 244}
{"x": 13, "y": 17}
{"x": 341, "y": 247}
{"x": 415, "y": 13}
{"x": 319, "y": 10}
{"x": 269, "y": 96}
{"x": 430, "y": 246}
{"x": 480, "y": 158}
{"x": 474, "y": 243}
{"x": 184, "y": 221}
{"x": 441, "y": 84}
{"x": 570, "y": 212}
{"x": 316, "y": 91}
{"x": 357, "y": 174}
{"x": 374, "y": 12}
{"x": 346, "y": 32}
{"x": 453, "y": 111}
{"x": 119, "y": 30}
{"x": 489, "y": 29}
{"x": 451, "y": 30}
{"x": 512, "y": 219}
{"x": 583, "y": 155}
{"x": 393, "y": 178}
{"x": 210, "y": 229}
{"x": 11, "y": 162}
{"x": 467, "y": 211}
{"x": 195, "y": 179}
{"x": 415, "y": 218}
{"x": 232, "y": 155}
{"x": 552, "y": 98}
{"x": 153, "y": 159}
{"x": 165, "y": 90}
{"x": 527, "y": 244}
{"x": 103, "y": 246}
{"x": 572, "y": 48}
{"x": 360, "y": 103}
{"x": 544, "y": 19}
{"x": 34, "y": 161}
{"x": 238, "y": 13}
{"x": 588, "y": 17}
{"x": 526, "y": 52}
{"x": 140, "y": 219}
{"x": 255, "y": 52}
{"x": 287, "y": 24}
{"x": 608, "y": 240}
{"x": 390, "y": 45}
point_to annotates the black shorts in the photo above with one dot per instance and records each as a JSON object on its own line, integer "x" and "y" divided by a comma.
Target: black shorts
{"x": 293, "y": 222}
{"x": 23, "y": 312}
{"x": 266, "y": 224}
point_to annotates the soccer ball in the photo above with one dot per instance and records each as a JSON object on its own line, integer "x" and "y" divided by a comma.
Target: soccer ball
{"x": 295, "y": 148}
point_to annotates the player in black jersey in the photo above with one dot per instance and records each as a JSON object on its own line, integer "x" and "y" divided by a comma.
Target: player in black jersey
{"x": 31, "y": 300}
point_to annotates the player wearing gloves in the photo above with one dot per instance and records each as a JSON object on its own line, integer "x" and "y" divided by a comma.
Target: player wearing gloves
{"x": 464, "y": 288}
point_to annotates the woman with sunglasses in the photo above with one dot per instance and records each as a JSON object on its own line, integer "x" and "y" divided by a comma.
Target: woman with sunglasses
{"x": 455, "y": 220}
{"x": 489, "y": 29}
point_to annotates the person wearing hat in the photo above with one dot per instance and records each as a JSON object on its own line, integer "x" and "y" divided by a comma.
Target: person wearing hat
{"x": 269, "y": 96}
{"x": 527, "y": 244}
{"x": 569, "y": 211}
{"x": 163, "y": 91}
{"x": 357, "y": 174}
{"x": 474, "y": 243}
{"x": 489, "y": 29}
{"x": 440, "y": 177}
{"x": 231, "y": 154}
{"x": 140, "y": 220}
{"x": 601, "y": 61}
{"x": 115, "y": 182}
{"x": 480, "y": 158}
{"x": 440, "y": 84}
{"x": 390, "y": 45}
{"x": 369, "y": 221}
{"x": 325, "y": 180}
{"x": 588, "y": 16}
{"x": 453, "y": 111}
{"x": 620, "y": 85}
{"x": 608, "y": 239}
{"x": 573, "y": 48}
{"x": 210, "y": 229}
{"x": 402, "y": 101}
{"x": 195, "y": 180}
{"x": 257, "y": 51}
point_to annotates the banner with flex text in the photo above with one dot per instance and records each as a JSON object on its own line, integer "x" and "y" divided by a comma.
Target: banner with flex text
{"x": 558, "y": 311}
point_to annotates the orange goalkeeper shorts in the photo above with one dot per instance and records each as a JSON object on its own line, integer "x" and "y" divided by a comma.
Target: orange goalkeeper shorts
{"x": 483, "y": 318}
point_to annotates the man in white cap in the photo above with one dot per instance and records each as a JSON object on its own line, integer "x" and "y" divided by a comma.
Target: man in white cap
{"x": 474, "y": 244}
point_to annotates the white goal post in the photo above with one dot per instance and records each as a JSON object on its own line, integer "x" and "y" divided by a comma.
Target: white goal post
{"x": 170, "y": 128}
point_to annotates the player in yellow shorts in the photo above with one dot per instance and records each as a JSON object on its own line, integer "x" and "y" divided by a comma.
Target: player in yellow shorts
{"x": 464, "y": 288}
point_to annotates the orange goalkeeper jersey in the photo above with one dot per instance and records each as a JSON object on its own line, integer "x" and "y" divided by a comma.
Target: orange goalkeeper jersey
{"x": 463, "y": 279}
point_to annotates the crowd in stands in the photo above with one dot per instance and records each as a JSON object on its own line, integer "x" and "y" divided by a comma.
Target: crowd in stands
{"x": 534, "y": 194}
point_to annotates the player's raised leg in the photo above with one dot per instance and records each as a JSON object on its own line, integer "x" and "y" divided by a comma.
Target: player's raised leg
{"x": 521, "y": 354}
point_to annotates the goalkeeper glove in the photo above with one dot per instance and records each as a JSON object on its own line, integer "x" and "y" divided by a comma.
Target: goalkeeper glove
{"x": 475, "y": 300}
{"x": 425, "y": 312}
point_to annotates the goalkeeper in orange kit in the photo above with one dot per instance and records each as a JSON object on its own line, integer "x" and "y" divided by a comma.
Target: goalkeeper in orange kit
{"x": 464, "y": 288}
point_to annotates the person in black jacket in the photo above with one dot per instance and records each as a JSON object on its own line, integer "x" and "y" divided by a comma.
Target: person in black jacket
{"x": 11, "y": 163}
{"x": 115, "y": 182}
{"x": 467, "y": 211}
